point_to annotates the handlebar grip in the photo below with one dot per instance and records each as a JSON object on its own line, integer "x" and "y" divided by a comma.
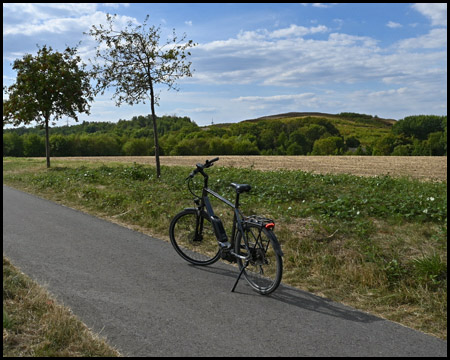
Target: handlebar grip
{"x": 200, "y": 168}
{"x": 209, "y": 162}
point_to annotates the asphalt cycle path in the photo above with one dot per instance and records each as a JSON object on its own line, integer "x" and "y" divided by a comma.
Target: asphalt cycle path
{"x": 147, "y": 301}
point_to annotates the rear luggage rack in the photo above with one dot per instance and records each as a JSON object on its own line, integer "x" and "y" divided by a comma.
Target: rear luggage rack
{"x": 260, "y": 221}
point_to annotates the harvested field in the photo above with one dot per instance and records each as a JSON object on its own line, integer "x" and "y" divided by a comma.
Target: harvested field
{"x": 429, "y": 168}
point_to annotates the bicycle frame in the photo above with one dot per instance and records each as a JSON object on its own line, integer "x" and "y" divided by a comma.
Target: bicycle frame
{"x": 237, "y": 218}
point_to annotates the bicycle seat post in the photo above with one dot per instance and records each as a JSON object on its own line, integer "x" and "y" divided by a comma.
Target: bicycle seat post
{"x": 237, "y": 200}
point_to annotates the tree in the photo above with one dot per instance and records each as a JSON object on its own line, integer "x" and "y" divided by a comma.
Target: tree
{"x": 295, "y": 149}
{"x": 437, "y": 143}
{"x": 33, "y": 145}
{"x": 332, "y": 145}
{"x": 12, "y": 145}
{"x": 133, "y": 61}
{"x": 50, "y": 84}
{"x": 420, "y": 126}
{"x": 384, "y": 145}
{"x": 137, "y": 147}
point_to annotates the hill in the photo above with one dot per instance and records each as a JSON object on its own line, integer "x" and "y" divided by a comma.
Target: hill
{"x": 294, "y": 133}
{"x": 355, "y": 116}
{"x": 367, "y": 129}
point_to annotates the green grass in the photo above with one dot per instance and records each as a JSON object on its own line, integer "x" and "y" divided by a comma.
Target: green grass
{"x": 376, "y": 243}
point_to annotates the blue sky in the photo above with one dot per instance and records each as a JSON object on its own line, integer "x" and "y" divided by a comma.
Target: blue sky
{"x": 254, "y": 60}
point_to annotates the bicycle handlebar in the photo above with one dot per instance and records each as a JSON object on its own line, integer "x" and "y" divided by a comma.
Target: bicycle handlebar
{"x": 209, "y": 162}
{"x": 200, "y": 168}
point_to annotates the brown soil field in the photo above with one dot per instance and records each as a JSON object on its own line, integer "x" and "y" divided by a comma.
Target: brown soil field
{"x": 427, "y": 168}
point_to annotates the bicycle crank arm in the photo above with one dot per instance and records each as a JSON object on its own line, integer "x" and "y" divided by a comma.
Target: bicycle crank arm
{"x": 239, "y": 256}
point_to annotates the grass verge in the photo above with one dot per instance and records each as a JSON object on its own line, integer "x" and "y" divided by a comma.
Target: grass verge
{"x": 34, "y": 324}
{"x": 378, "y": 244}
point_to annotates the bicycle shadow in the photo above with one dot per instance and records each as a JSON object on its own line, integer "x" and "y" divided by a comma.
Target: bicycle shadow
{"x": 295, "y": 297}
{"x": 305, "y": 300}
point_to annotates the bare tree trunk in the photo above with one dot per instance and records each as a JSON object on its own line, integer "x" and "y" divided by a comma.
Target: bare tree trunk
{"x": 47, "y": 144}
{"x": 155, "y": 133}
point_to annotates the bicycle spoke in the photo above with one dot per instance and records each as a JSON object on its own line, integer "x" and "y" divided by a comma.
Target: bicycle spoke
{"x": 195, "y": 243}
{"x": 264, "y": 269}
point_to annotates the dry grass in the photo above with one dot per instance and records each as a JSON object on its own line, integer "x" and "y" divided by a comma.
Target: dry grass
{"x": 35, "y": 324}
{"x": 417, "y": 167}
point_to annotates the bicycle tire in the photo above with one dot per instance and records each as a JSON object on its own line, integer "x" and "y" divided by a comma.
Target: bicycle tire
{"x": 265, "y": 268}
{"x": 201, "y": 251}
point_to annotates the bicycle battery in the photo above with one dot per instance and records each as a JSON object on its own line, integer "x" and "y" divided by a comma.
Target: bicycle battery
{"x": 219, "y": 229}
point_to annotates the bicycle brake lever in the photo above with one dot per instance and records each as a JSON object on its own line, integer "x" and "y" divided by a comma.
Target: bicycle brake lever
{"x": 191, "y": 175}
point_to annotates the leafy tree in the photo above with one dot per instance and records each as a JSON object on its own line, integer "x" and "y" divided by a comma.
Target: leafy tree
{"x": 243, "y": 146}
{"x": 352, "y": 142}
{"x": 437, "y": 143}
{"x": 402, "y": 150}
{"x": 133, "y": 61}
{"x": 282, "y": 140}
{"x": 60, "y": 145}
{"x": 299, "y": 139}
{"x": 266, "y": 139}
{"x": 12, "y": 145}
{"x": 219, "y": 146}
{"x": 384, "y": 145}
{"x": 295, "y": 149}
{"x": 420, "y": 126}
{"x": 137, "y": 147}
{"x": 50, "y": 84}
{"x": 420, "y": 148}
{"x": 332, "y": 145}
{"x": 33, "y": 145}
{"x": 314, "y": 132}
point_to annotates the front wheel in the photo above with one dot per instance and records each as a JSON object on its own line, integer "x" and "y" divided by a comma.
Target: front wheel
{"x": 265, "y": 266}
{"x": 192, "y": 236}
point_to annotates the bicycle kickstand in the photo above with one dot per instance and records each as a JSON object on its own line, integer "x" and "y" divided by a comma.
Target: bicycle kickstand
{"x": 237, "y": 280}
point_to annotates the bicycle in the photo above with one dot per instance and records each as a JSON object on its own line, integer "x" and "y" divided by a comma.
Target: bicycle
{"x": 199, "y": 237}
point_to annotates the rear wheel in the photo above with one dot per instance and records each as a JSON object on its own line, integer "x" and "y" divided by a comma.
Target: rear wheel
{"x": 193, "y": 237}
{"x": 265, "y": 267}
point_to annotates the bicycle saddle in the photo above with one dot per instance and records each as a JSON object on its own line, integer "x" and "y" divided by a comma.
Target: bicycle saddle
{"x": 240, "y": 188}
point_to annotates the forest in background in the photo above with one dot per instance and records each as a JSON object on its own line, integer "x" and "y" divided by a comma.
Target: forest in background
{"x": 284, "y": 134}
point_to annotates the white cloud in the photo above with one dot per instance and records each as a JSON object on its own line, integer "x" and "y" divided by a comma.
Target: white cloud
{"x": 116, "y": 5}
{"x": 435, "y": 39}
{"x": 393, "y": 25}
{"x": 288, "y": 61}
{"x": 320, "y": 5}
{"x": 274, "y": 98}
{"x": 33, "y": 12}
{"x": 295, "y": 30}
{"x": 53, "y": 18}
{"x": 437, "y": 13}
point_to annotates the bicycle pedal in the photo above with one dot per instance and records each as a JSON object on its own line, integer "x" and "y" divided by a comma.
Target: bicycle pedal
{"x": 225, "y": 245}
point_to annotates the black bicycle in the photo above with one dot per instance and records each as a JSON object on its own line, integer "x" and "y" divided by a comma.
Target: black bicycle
{"x": 198, "y": 235}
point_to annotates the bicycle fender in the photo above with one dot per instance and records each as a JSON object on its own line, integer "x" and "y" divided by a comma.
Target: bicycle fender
{"x": 277, "y": 247}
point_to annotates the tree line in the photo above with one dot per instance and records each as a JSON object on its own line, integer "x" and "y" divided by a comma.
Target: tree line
{"x": 423, "y": 135}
